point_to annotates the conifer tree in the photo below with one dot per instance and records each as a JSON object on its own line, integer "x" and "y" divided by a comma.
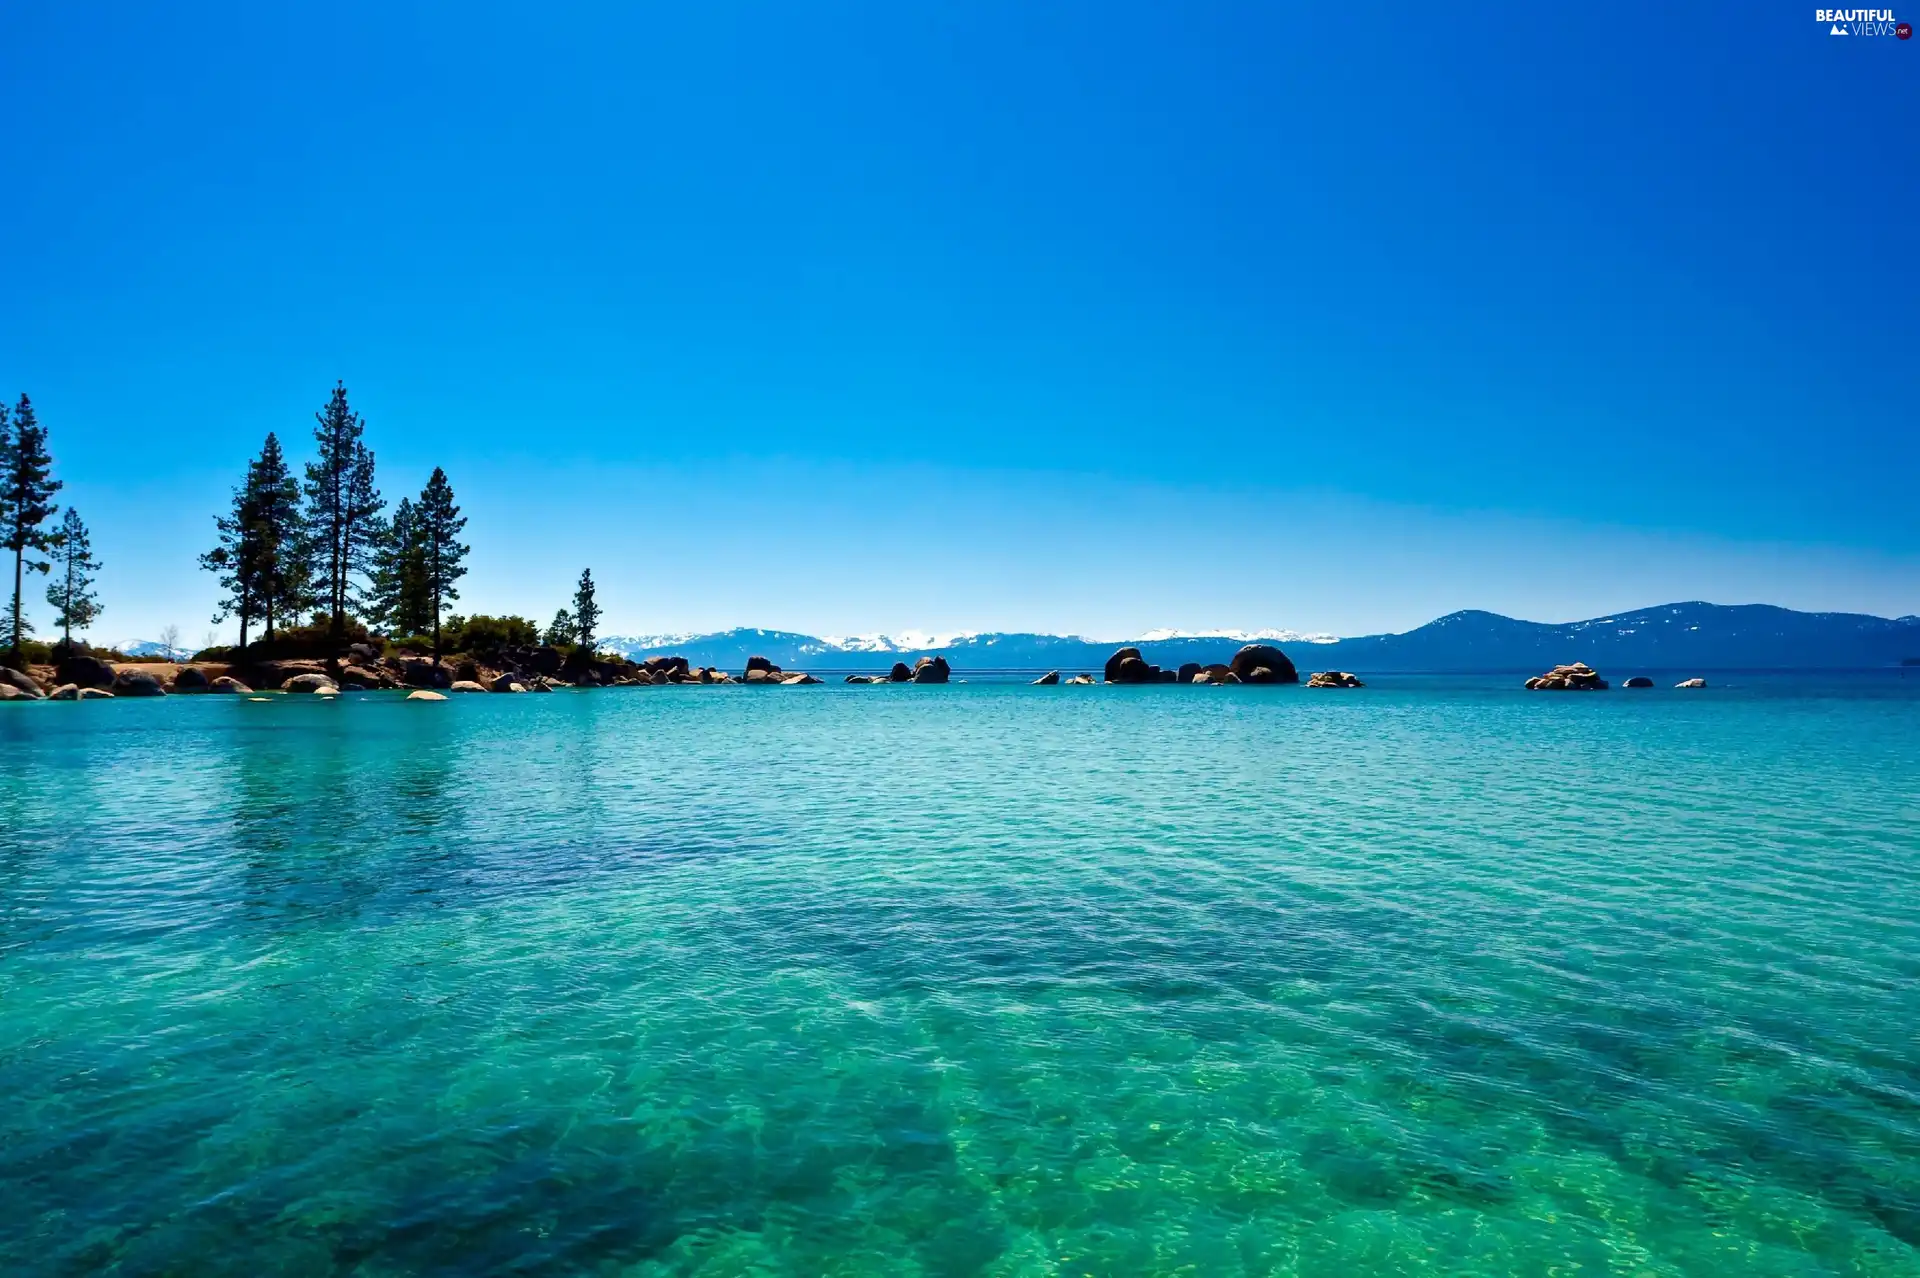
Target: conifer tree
{"x": 442, "y": 553}
{"x": 586, "y": 613}
{"x": 75, "y": 606}
{"x": 397, "y": 597}
{"x": 27, "y": 487}
{"x": 561, "y": 632}
{"x": 343, "y": 511}
{"x": 261, "y": 557}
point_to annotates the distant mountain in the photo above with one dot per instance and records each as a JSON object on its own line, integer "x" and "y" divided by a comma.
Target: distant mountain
{"x": 143, "y": 648}
{"x": 1683, "y": 635}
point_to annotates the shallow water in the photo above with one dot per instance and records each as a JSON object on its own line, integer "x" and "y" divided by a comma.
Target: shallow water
{"x": 1434, "y": 977}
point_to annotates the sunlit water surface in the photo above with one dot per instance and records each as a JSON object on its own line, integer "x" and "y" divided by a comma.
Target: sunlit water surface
{"x": 1435, "y": 977}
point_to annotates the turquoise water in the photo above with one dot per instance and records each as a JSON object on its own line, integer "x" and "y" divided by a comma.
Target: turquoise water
{"x": 1438, "y": 977}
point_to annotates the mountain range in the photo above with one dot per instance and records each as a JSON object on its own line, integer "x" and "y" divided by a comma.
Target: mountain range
{"x": 1671, "y": 636}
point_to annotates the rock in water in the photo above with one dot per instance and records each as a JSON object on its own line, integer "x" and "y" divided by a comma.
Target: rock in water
{"x": 1333, "y": 679}
{"x": 467, "y": 685}
{"x": 931, "y": 670}
{"x": 10, "y": 693}
{"x": 227, "y": 683}
{"x": 1047, "y": 680}
{"x": 1262, "y": 663}
{"x": 1082, "y": 679}
{"x": 1691, "y": 683}
{"x": 190, "y": 679}
{"x": 1638, "y": 681}
{"x": 1120, "y": 657}
{"x": 1189, "y": 671}
{"x": 794, "y": 680}
{"x": 760, "y": 664}
{"x": 137, "y": 683}
{"x": 423, "y": 695}
{"x": 21, "y": 683}
{"x": 1578, "y": 677}
{"x": 900, "y": 673}
{"x": 308, "y": 683}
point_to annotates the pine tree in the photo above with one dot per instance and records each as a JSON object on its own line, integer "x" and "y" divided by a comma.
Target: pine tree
{"x": 343, "y": 511}
{"x": 261, "y": 557}
{"x": 27, "y": 487}
{"x": 443, "y": 554}
{"x": 586, "y": 613}
{"x": 397, "y": 598}
{"x": 561, "y": 633}
{"x": 71, "y": 590}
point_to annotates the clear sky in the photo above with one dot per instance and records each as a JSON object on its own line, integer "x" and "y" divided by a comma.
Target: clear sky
{"x": 1070, "y": 316}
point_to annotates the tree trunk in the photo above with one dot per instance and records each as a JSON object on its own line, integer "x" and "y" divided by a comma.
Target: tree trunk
{"x": 16, "y": 601}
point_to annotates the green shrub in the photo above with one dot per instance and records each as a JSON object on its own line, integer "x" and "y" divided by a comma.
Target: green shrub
{"x": 484, "y": 636}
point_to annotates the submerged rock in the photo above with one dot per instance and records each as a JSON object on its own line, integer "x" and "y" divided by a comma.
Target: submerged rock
{"x": 1333, "y": 679}
{"x": 1638, "y": 681}
{"x": 1691, "y": 683}
{"x": 1047, "y": 680}
{"x": 1262, "y": 663}
{"x": 794, "y": 680}
{"x": 1081, "y": 679}
{"x": 423, "y": 695}
{"x": 467, "y": 685}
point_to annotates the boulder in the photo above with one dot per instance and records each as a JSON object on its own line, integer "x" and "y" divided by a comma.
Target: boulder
{"x": 423, "y": 695}
{"x": 65, "y": 692}
{"x": 794, "y": 680}
{"x": 900, "y": 673}
{"x": 1047, "y": 680}
{"x": 662, "y": 677}
{"x": 652, "y": 664}
{"x": 191, "y": 679}
{"x": 1164, "y": 676}
{"x": 424, "y": 672}
{"x": 1262, "y": 663}
{"x": 758, "y": 677}
{"x": 467, "y": 685}
{"x": 1638, "y": 681}
{"x": 1081, "y": 679}
{"x": 86, "y": 671}
{"x": 21, "y": 682}
{"x": 1578, "y": 677}
{"x": 227, "y": 683}
{"x": 361, "y": 678}
{"x": 761, "y": 664}
{"x": 10, "y": 693}
{"x": 931, "y": 670}
{"x": 95, "y": 694}
{"x": 309, "y": 683}
{"x": 1691, "y": 683}
{"x": 1114, "y": 662}
{"x": 1189, "y": 671}
{"x": 1333, "y": 679}
{"x": 1129, "y": 670}
{"x": 362, "y": 654}
{"x": 137, "y": 683}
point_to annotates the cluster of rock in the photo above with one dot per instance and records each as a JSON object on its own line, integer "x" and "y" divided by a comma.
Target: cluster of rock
{"x": 1578, "y": 677}
{"x": 1333, "y": 679}
{"x": 1255, "y": 663}
{"x": 925, "y": 670}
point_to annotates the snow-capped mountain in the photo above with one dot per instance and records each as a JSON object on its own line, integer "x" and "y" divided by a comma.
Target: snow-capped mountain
{"x": 1239, "y": 636}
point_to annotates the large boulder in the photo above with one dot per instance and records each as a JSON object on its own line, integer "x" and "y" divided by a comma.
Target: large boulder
{"x": 1047, "y": 680}
{"x": 309, "y": 683}
{"x": 21, "y": 683}
{"x": 137, "y": 683}
{"x": 362, "y": 654}
{"x": 1262, "y": 663}
{"x": 73, "y": 692}
{"x": 1114, "y": 662}
{"x": 191, "y": 679}
{"x": 1638, "y": 681}
{"x": 900, "y": 673}
{"x": 10, "y": 693}
{"x": 1130, "y": 670}
{"x": 85, "y": 671}
{"x": 1578, "y": 677}
{"x": 227, "y": 683}
{"x": 669, "y": 664}
{"x": 759, "y": 678}
{"x": 931, "y": 670}
{"x": 1189, "y": 671}
{"x": 467, "y": 685}
{"x": 424, "y": 672}
{"x": 421, "y": 694}
{"x": 761, "y": 664}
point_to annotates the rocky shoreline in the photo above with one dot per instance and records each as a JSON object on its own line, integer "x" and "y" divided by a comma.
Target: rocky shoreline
{"x": 86, "y": 677}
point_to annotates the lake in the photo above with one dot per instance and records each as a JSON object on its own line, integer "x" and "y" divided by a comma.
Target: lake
{"x": 1438, "y": 976}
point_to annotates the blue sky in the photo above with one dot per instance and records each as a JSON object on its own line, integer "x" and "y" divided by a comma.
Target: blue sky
{"x": 1076, "y": 317}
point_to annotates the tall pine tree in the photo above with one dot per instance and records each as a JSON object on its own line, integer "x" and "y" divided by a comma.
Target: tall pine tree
{"x": 343, "y": 512}
{"x": 443, "y": 553}
{"x": 261, "y": 559}
{"x": 586, "y": 613}
{"x": 75, "y": 606}
{"x": 397, "y": 596}
{"x": 27, "y": 487}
